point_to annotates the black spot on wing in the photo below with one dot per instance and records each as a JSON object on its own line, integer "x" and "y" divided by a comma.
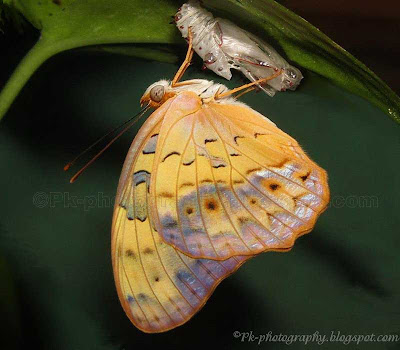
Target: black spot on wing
{"x": 141, "y": 171}
{"x": 171, "y": 154}
{"x": 206, "y": 181}
{"x": 187, "y": 184}
{"x": 209, "y": 140}
{"x": 305, "y": 177}
{"x": 238, "y": 181}
{"x": 211, "y": 204}
{"x": 166, "y": 195}
{"x": 148, "y": 251}
{"x": 188, "y": 163}
{"x": 142, "y": 296}
{"x": 237, "y": 137}
{"x": 253, "y": 170}
{"x": 141, "y": 219}
{"x": 130, "y": 254}
{"x": 189, "y": 211}
{"x": 219, "y": 166}
{"x": 243, "y": 220}
{"x": 258, "y": 134}
{"x": 141, "y": 176}
{"x": 274, "y": 186}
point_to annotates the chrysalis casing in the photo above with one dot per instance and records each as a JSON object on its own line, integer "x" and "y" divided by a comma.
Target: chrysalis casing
{"x": 223, "y": 45}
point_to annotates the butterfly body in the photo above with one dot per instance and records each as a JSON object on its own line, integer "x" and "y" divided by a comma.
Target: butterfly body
{"x": 201, "y": 88}
{"x": 207, "y": 183}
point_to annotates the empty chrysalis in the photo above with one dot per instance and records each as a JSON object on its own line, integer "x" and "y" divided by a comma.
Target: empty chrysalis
{"x": 223, "y": 45}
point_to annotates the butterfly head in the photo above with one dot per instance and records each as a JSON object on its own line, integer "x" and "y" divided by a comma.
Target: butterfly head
{"x": 156, "y": 94}
{"x": 161, "y": 91}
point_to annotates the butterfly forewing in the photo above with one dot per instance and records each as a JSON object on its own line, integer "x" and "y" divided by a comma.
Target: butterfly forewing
{"x": 158, "y": 286}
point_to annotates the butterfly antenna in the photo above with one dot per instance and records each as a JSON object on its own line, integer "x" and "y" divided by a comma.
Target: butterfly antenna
{"x": 67, "y": 166}
{"x": 132, "y": 121}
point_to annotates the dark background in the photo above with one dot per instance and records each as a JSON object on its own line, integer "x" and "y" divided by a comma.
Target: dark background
{"x": 370, "y": 30}
{"x": 57, "y": 288}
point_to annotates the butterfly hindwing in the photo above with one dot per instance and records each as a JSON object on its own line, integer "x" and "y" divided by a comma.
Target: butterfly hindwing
{"x": 228, "y": 182}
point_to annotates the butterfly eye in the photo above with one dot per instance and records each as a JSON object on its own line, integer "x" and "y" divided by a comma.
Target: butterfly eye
{"x": 157, "y": 93}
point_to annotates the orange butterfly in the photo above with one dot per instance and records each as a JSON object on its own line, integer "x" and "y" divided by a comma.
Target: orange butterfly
{"x": 207, "y": 183}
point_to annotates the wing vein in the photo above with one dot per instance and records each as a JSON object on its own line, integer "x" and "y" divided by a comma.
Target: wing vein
{"x": 161, "y": 262}
{"x": 129, "y": 282}
{"x": 234, "y": 192}
{"x": 218, "y": 191}
{"x": 122, "y": 222}
{"x": 176, "y": 189}
{"x": 263, "y": 166}
{"x": 198, "y": 196}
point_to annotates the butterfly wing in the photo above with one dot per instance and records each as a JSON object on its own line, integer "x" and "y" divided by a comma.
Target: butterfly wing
{"x": 159, "y": 287}
{"x": 228, "y": 182}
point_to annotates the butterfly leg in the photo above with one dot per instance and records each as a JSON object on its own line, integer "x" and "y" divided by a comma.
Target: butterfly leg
{"x": 186, "y": 62}
{"x": 245, "y": 91}
{"x": 247, "y": 86}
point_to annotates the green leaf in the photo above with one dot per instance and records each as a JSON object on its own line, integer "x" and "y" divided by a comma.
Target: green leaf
{"x": 161, "y": 53}
{"x": 67, "y": 24}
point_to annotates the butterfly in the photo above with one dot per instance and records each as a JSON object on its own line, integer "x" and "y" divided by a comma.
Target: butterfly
{"x": 207, "y": 184}
{"x": 224, "y": 46}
